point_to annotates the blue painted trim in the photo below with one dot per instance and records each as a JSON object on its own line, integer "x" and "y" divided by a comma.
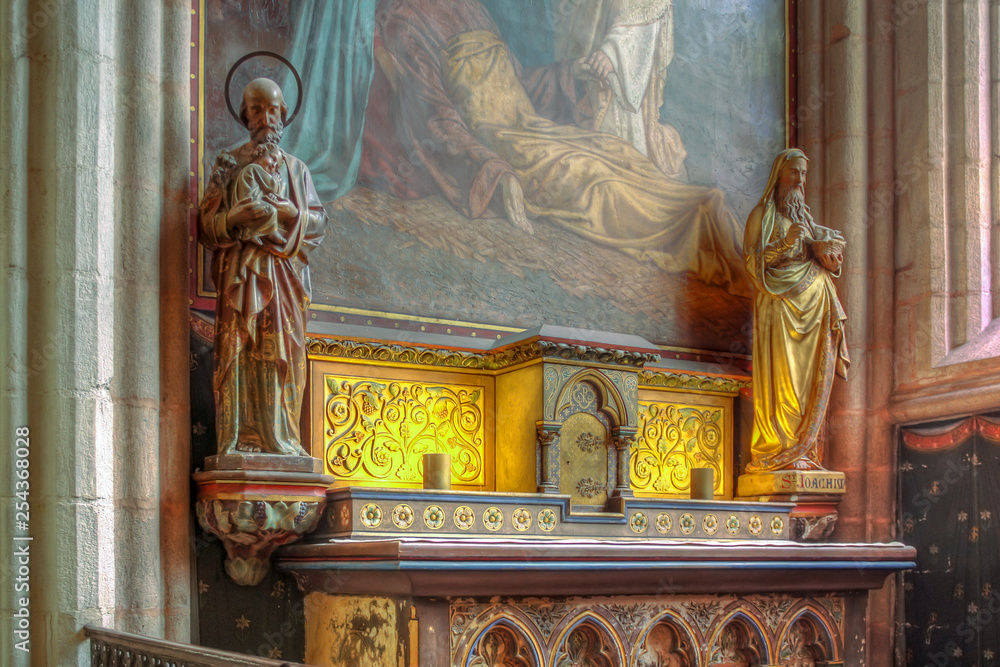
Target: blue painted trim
{"x": 606, "y": 519}
{"x": 505, "y": 566}
{"x": 421, "y": 496}
{"x": 540, "y": 500}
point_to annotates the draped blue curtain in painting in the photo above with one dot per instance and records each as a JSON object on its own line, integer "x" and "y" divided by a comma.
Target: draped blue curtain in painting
{"x": 334, "y": 57}
{"x": 949, "y": 504}
{"x": 333, "y": 51}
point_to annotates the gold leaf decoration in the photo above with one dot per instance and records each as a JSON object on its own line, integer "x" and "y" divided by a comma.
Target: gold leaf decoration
{"x": 680, "y": 380}
{"x": 588, "y": 442}
{"x": 588, "y": 487}
{"x": 378, "y": 431}
{"x": 673, "y": 439}
{"x": 422, "y": 356}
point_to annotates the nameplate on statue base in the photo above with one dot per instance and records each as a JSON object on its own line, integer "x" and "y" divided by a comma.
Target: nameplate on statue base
{"x": 791, "y": 481}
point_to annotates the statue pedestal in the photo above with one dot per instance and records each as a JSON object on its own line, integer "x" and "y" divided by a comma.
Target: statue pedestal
{"x": 268, "y": 501}
{"x": 815, "y": 493}
{"x": 263, "y": 462}
{"x": 785, "y": 482}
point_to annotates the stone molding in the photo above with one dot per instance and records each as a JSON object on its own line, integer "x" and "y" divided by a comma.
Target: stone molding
{"x": 488, "y": 361}
{"x": 423, "y": 356}
{"x": 599, "y": 355}
{"x": 692, "y": 381}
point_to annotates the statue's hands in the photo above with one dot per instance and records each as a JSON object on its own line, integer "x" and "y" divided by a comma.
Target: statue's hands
{"x": 286, "y": 209}
{"x": 832, "y": 261}
{"x": 796, "y": 232}
{"x": 248, "y": 212}
{"x": 513, "y": 203}
{"x": 224, "y": 166}
{"x": 597, "y": 65}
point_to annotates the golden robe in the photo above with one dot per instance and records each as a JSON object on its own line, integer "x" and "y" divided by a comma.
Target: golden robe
{"x": 589, "y": 182}
{"x": 799, "y": 342}
{"x": 262, "y": 278}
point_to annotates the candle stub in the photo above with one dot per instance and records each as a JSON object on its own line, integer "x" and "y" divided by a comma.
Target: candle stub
{"x": 437, "y": 471}
{"x": 702, "y": 483}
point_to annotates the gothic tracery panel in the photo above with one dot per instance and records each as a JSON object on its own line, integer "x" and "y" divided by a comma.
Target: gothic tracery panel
{"x": 660, "y": 631}
{"x": 804, "y": 644}
{"x": 666, "y": 646}
{"x": 586, "y": 645}
{"x": 739, "y": 644}
{"x": 502, "y": 646}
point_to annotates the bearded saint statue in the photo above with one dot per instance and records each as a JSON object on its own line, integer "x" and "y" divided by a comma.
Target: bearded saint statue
{"x": 260, "y": 264}
{"x": 799, "y": 341}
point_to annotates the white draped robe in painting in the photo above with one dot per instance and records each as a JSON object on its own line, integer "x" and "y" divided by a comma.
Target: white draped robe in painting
{"x": 638, "y": 38}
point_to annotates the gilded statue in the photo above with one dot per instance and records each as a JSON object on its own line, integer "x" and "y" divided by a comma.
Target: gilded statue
{"x": 260, "y": 217}
{"x": 799, "y": 341}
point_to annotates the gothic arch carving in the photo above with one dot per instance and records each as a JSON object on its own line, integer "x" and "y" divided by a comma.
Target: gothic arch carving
{"x": 669, "y": 642}
{"x": 582, "y": 449}
{"x": 739, "y": 641}
{"x": 588, "y": 641}
{"x": 609, "y": 398}
{"x": 503, "y": 644}
{"x": 807, "y": 641}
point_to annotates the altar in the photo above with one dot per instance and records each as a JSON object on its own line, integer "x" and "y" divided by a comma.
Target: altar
{"x": 568, "y": 535}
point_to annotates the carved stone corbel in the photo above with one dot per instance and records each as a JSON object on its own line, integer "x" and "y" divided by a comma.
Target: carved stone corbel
{"x": 254, "y": 512}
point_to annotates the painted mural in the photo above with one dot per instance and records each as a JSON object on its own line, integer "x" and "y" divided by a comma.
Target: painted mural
{"x": 587, "y": 163}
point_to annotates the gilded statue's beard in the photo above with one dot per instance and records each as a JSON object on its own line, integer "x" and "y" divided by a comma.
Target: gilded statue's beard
{"x": 263, "y": 133}
{"x": 792, "y": 204}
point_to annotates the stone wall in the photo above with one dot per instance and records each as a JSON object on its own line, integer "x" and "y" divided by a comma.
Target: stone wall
{"x": 897, "y": 111}
{"x": 93, "y": 173}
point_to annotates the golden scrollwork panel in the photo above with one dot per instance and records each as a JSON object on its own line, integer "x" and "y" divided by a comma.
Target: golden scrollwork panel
{"x": 678, "y": 432}
{"x": 377, "y": 424}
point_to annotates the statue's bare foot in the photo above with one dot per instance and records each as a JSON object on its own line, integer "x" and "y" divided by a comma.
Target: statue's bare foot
{"x": 513, "y": 203}
{"x": 806, "y": 464}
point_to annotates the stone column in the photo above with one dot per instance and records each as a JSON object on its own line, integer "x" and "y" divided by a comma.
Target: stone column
{"x": 93, "y": 124}
{"x": 547, "y": 444}
{"x": 846, "y": 52}
{"x": 175, "y": 330}
{"x": 623, "y": 437}
{"x": 14, "y": 346}
{"x": 880, "y": 460}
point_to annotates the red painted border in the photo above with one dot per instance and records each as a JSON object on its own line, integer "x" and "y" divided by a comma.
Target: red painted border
{"x": 954, "y": 437}
{"x": 792, "y": 65}
{"x": 212, "y": 489}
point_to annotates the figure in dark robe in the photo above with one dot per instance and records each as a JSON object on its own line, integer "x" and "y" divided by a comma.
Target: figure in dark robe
{"x": 260, "y": 249}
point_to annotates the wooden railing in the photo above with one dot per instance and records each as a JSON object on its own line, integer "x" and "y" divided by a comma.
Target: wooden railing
{"x": 110, "y": 648}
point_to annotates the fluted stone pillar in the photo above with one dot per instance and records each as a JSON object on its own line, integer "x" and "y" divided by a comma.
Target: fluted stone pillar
{"x": 846, "y": 52}
{"x": 93, "y": 155}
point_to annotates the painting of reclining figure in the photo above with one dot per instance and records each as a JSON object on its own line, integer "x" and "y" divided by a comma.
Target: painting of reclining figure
{"x": 583, "y": 163}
